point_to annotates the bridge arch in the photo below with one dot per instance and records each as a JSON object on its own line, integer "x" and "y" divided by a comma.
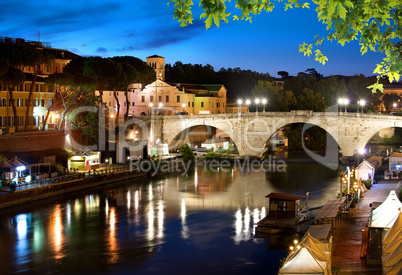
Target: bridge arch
{"x": 198, "y": 130}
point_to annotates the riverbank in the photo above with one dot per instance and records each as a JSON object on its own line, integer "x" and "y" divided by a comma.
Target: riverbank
{"x": 38, "y": 191}
{"x": 348, "y": 237}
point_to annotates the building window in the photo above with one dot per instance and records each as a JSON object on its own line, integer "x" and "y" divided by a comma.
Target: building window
{"x": 3, "y": 102}
{"x": 189, "y": 104}
{"x": 178, "y": 98}
{"x": 160, "y": 98}
{"x": 20, "y": 120}
{"x": 50, "y": 102}
{"x": 36, "y": 102}
{"x": 110, "y": 104}
{"x": 11, "y": 102}
{"x": 11, "y": 121}
{"x": 142, "y": 98}
{"x": 212, "y": 104}
{"x": 192, "y": 104}
{"x": 133, "y": 103}
{"x": 167, "y": 98}
{"x": 20, "y": 102}
{"x": 42, "y": 102}
{"x": 3, "y": 121}
{"x": 151, "y": 98}
{"x": 202, "y": 104}
{"x": 35, "y": 121}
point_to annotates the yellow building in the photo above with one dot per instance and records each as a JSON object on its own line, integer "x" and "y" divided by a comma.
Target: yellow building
{"x": 43, "y": 95}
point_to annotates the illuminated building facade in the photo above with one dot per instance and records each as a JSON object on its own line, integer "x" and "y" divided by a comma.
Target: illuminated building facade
{"x": 43, "y": 95}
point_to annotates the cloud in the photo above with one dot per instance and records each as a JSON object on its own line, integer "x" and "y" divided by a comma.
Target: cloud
{"x": 167, "y": 34}
{"x": 101, "y": 50}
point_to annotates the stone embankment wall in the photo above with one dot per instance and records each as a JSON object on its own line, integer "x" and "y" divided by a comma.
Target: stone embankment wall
{"x": 32, "y": 141}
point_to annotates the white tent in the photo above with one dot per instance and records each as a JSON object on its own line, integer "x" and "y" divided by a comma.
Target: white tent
{"x": 304, "y": 262}
{"x": 393, "y": 262}
{"x": 309, "y": 259}
{"x": 385, "y": 215}
{"x": 365, "y": 170}
{"x": 393, "y": 237}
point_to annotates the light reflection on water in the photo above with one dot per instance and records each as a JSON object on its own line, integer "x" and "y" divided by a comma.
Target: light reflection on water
{"x": 167, "y": 224}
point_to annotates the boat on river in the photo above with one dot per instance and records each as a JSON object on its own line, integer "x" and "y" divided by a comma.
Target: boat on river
{"x": 285, "y": 214}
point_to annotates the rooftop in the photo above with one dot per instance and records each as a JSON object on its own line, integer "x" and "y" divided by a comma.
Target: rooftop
{"x": 286, "y": 197}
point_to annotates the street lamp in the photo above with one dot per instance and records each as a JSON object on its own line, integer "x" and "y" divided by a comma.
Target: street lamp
{"x": 150, "y": 108}
{"x": 160, "y": 105}
{"x": 264, "y": 101}
{"x": 239, "y": 103}
{"x": 394, "y": 107}
{"x": 248, "y": 102}
{"x": 340, "y": 103}
{"x": 257, "y": 101}
{"x": 343, "y": 101}
{"x": 361, "y": 102}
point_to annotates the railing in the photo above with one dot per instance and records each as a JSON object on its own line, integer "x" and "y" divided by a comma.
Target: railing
{"x": 22, "y": 41}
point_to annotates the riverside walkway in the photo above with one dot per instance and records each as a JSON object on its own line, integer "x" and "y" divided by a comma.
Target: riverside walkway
{"x": 27, "y": 193}
{"x": 348, "y": 236}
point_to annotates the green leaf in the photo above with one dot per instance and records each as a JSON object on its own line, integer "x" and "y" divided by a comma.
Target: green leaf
{"x": 341, "y": 11}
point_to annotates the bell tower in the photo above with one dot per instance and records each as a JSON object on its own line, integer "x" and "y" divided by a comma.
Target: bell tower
{"x": 158, "y": 63}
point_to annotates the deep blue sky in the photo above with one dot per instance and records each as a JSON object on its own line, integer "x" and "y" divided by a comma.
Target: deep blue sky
{"x": 142, "y": 28}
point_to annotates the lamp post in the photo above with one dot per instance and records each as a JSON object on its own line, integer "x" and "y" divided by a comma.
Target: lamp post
{"x": 248, "y": 102}
{"x": 239, "y": 103}
{"x": 343, "y": 101}
{"x": 257, "y": 101}
{"x": 160, "y": 105}
{"x": 346, "y": 102}
{"x": 361, "y": 102}
{"x": 340, "y": 103}
{"x": 264, "y": 101}
{"x": 150, "y": 108}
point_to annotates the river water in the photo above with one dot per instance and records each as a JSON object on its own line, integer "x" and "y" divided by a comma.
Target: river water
{"x": 201, "y": 222}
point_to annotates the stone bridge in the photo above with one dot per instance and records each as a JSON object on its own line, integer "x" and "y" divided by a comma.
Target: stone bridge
{"x": 251, "y": 131}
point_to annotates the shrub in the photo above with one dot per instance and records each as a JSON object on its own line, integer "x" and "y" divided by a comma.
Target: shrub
{"x": 213, "y": 156}
{"x": 187, "y": 153}
{"x": 367, "y": 183}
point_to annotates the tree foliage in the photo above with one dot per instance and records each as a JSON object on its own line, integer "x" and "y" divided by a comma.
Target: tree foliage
{"x": 238, "y": 82}
{"x": 187, "y": 153}
{"x": 376, "y": 25}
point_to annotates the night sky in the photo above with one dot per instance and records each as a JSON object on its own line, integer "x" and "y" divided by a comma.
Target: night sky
{"x": 142, "y": 28}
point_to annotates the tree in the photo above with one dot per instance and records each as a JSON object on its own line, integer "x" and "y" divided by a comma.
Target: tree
{"x": 187, "y": 153}
{"x": 390, "y": 99}
{"x": 310, "y": 100}
{"x": 71, "y": 87}
{"x": 283, "y": 74}
{"x": 314, "y": 73}
{"x": 375, "y": 24}
{"x": 331, "y": 88}
{"x": 135, "y": 70}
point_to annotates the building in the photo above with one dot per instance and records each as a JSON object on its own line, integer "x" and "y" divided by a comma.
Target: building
{"x": 164, "y": 98}
{"x": 158, "y": 63}
{"x": 43, "y": 95}
{"x": 395, "y": 167}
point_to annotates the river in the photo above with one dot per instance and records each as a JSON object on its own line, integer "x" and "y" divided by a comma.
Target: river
{"x": 201, "y": 222}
